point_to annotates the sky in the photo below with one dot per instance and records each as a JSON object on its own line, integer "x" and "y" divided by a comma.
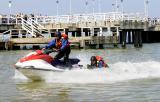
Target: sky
{"x": 49, "y": 7}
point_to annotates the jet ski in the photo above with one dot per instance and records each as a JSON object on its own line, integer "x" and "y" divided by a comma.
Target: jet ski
{"x": 37, "y": 65}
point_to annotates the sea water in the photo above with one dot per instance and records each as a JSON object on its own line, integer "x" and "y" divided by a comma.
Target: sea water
{"x": 133, "y": 76}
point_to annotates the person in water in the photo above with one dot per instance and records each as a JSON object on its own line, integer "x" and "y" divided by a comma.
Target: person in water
{"x": 97, "y": 62}
{"x": 61, "y": 45}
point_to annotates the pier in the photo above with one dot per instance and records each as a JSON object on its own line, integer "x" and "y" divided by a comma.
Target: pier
{"x": 84, "y": 30}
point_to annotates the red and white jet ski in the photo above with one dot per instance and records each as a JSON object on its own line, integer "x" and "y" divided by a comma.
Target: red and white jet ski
{"x": 37, "y": 65}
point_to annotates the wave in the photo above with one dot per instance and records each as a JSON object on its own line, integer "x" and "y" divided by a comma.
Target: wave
{"x": 120, "y": 71}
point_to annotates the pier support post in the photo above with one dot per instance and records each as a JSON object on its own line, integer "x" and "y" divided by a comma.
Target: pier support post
{"x": 92, "y": 31}
{"x": 129, "y": 37}
{"x": 8, "y": 45}
{"x": 137, "y": 39}
{"x": 117, "y": 31}
{"x": 140, "y": 39}
{"x": 101, "y": 42}
{"x": 123, "y": 39}
{"x": 109, "y": 30}
{"x": 100, "y": 31}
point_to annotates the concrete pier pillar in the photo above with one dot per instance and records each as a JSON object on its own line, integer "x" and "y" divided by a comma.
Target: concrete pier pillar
{"x": 8, "y": 45}
{"x": 117, "y": 31}
{"x": 82, "y": 32}
{"x": 92, "y": 31}
{"x": 109, "y": 30}
{"x": 135, "y": 38}
{"x": 118, "y": 34}
{"x": 100, "y": 31}
{"x": 69, "y": 34}
{"x": 129, "y": 37}
{"x": 64, "y": 30}
{"x": 124, "y": 39}
{"x": 49, "y": 32}
{"x": 82, "y": 42}
{"x": 75, "y": 34}
{"x": 138, "y": 39}
{"x": 100, "y": 38}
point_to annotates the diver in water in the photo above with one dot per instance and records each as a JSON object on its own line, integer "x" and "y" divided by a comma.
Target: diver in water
{"x": 97, "y": 62}
{"x": 61, "y": 45}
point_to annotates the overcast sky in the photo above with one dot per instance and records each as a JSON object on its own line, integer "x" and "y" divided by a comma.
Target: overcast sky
{"x": 49, "y": 7}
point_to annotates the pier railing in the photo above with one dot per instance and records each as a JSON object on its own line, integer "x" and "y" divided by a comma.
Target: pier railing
{"x": 5, "y": 36}
{"x": 76, "y": 18}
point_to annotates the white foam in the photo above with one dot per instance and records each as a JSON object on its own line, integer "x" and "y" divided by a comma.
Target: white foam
{"x": 19, "y": 75}
{"x": 120, "y": 71}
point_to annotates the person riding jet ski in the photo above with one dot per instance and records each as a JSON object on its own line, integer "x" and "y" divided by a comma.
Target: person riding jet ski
{"x": 61, "y": 45}
{"x": 97, "y": 62}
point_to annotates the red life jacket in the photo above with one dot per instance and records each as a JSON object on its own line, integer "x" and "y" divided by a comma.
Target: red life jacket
{"x": 64, "y": 36}
{"x": 99, "y": 58}
{"x": 58, "y": 43}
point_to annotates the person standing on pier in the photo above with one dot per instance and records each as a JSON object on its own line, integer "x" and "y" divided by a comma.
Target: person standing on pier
{"x": 61, "y": 45}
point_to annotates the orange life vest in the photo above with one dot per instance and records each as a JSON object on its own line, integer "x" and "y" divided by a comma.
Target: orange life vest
{"x": 58, "y": 43}
{"x": 64, "y": 36}
{"x": 99, "y": 58}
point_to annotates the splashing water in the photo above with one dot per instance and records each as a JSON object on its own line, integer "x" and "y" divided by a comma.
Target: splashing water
{"x": 120, "y": 71}
{"x": 19, "y": 75}
{"x": 117, "y": 72}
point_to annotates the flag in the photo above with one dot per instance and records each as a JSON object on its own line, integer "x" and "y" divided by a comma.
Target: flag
{"x": 9, "y": 4}
{"x": 57, "y": 1}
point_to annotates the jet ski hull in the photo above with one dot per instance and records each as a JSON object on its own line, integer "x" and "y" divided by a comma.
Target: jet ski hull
{"x": 36, "y": 74}
{"x": 36, "y": 69}
{"x": 38, "y": 65}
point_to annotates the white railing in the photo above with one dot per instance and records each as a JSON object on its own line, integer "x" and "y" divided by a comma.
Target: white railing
{"x": 112, "y": 16}
{"x": 32, "y": 27}
{"x": 78, "y": 18}
{"x": 5, "y": 36}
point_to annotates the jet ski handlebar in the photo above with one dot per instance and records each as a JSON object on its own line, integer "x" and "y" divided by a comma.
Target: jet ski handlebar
{"x": 48, "y": 51}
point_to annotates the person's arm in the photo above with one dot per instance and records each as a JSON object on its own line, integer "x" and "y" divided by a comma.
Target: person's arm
{"x": 51, "y": 44}
{"x": 100, "y": 64}
{"x": 64, "y": 44}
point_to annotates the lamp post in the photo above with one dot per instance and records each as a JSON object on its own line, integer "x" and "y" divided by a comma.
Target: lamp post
{"x": 122, "y": 6}
{"x": 113, "y": 7}
{"x": 70, "y": 7}
{"x": 86, "y": 3}
{"x": 57, "y": 2}
{"x": 116, "y": 4}
{"x": 93, "y": 4}
{"x": 99, "y": 6}
{"x": 9, "y": 6}
{"x": 146, "y": 2}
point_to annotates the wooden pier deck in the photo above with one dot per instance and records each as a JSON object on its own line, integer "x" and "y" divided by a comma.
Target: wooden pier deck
{"x": 78, "y": 42}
